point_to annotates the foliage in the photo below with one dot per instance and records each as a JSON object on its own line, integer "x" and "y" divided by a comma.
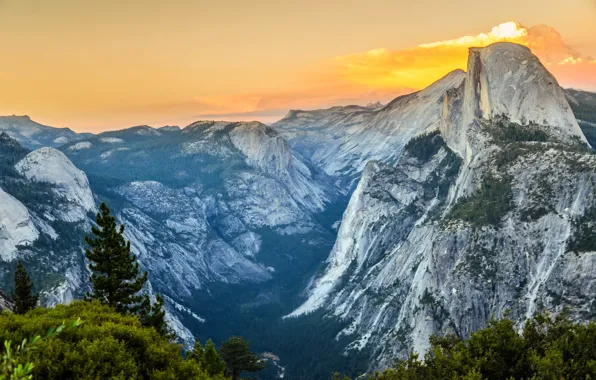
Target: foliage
{"x": 547, "y": 348}
{"x": 108, "y": 345}
{"x": 424, "y": 146}
{"x": 238, "y": 358}
{"x": 503, "y": 130}
{"x": 208, "y": 358}
{"x": 491, "y": 202}
{"x": 115, "y": 276}
{"x": 116, "y": 281}
{"x": 154, "y": 315}
{"x": 23, "y": 297}
{"x": 11, "y": 369}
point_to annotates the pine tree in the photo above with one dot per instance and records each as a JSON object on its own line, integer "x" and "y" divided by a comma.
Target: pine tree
{"x": 236, "y": 354}
{"x": 211, "y": 362}
{"x": 208, "y": 358}
{"x": 23, "y": 297}
{"x": 197, "y": 353}
{"x": 154, "y": 315}
{"x": 115, "y": 278}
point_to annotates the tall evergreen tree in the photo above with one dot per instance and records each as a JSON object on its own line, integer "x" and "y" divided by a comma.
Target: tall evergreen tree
{"x": 208, "y": 358}
{"x": 211, "y": 362}
{"x": 236, "y": 354}
{"x": 23, "y": 297}
{"x": 115, "y": 278}
{"x": 154, "y": 315}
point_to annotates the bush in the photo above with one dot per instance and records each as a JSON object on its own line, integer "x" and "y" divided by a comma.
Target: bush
{"x": 547, "y": 348}
{"x": 107, "y": 346}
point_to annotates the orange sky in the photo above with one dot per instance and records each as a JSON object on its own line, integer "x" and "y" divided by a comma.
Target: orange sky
{"x": 94, "y": 66}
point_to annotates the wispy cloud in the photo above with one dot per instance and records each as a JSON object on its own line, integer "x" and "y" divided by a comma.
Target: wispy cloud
{"x": 382, "y": 74}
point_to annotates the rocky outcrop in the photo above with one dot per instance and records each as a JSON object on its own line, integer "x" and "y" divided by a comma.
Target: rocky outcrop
{"x": 16, "y": 226}
{"x": 51, "y": 166}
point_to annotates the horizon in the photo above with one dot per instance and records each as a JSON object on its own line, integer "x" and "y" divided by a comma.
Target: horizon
{"x": 156, "y": 126}
{"x": 66, "y": 66}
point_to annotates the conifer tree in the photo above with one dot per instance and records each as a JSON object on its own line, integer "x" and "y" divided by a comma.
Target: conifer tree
{"x": 211, "y": 362}
{"x": 197, "y": 353}
{"x": 23, "y": 297}
{"x": 236, "y": 354}
{"x": 154, "y": 315}
{"x": 115, "y": 278}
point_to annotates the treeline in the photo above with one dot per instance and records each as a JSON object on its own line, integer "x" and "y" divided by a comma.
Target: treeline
{"x": 117, "y": 332}
{"x": 546, "y": 348}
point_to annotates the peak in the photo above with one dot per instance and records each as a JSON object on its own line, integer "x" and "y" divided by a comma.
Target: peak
{"x": 169, "y": 128}
{"x": 503, "y": 46}
{"x": 17, "y": 117}
{"x": 506, "y": 80}
{"x": 376, "y": 104}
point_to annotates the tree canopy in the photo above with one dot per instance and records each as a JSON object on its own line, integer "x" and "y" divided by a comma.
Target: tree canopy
{"x": 108, "y": 345}
{"x": 546, "y": 348}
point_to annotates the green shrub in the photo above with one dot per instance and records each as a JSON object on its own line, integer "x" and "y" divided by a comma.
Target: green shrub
{"x": 545, "y": 349}
{"x": 107, "y": 346}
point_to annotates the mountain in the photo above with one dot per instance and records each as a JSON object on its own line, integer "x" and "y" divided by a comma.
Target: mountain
{"x": 196, "y": 200}
{"x": 341, "y": 140}
{"x": 33, "y": 135}
{"x": 490, "y": 210}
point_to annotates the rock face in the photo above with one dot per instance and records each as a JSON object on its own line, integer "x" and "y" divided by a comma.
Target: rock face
{"x": 507, "y": 80}
{"x": 16, "y": 226}
{"x": 341, "y": 140}
{"x": 52, "y": 166}
{"x": 492, "y": 211}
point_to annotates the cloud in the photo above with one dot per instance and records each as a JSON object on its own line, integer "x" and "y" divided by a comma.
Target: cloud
{"x": 420, "y": 66}
{"x": 382, "y": 74}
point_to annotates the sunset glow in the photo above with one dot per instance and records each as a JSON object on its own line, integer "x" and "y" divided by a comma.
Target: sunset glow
{"x": 98, "y": 66}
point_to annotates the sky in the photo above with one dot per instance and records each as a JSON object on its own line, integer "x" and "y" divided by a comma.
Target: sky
{"x": 102, "y": 65}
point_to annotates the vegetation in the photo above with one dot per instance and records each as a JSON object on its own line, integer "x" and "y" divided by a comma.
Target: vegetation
{"x": 425, "y": 146}
{"x": 505, "y": 131}
{"x": 235, "y": 352}
{"x": 491, "y": 202}
{"x": 109, "y": 345}
{"x": 115, "y": 278}
{"x": 208, "y": 358}
{"x": 23, "y": 297}
{"x": 546, "y": 348}
{"x": 11, "y": 369}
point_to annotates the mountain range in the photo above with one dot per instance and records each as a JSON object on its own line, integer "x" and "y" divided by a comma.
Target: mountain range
{"x": 357, "y": 232}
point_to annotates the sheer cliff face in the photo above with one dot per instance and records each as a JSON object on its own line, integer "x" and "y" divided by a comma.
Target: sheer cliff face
{"x": 493, "y": 213}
